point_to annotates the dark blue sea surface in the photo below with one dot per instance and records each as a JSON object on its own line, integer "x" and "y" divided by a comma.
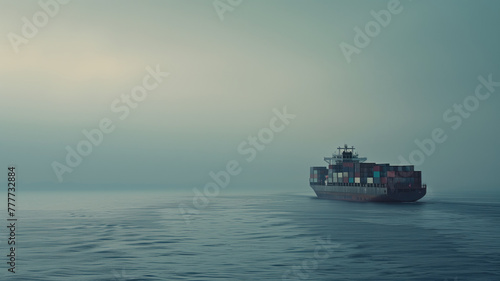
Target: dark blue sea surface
{"x": 144, "y": 236}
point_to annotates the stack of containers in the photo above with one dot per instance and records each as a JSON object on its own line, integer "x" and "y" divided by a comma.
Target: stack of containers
{"x": 370, "y": 174}
{"x": 333, "y": 173}
{"x": 314, "y": 175}
{"x": 418, "y": 178}
{"x": 357, "y": 172}
{"x": 391, "y": 175}
{"x": 383, "y": 173}
{"x": 340, "y": 173}
{"x": 376, "y": 174}
{"x": 345, "y": 175}
{"x": 348, "y": 168}
{"x": 351, "y": 172}
{"x": 362, "y": 173}
{"x": 404, "y": 177}
{"x": 367, "y": 173}
{"x": 318, "y": 175}
{"x": 330, "y": 174}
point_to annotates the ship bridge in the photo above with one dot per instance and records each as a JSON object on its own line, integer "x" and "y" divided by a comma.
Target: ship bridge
{"x": 345, "y": 154}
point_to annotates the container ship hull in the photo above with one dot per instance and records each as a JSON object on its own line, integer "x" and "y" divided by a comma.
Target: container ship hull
{"x": 368, "y": 194}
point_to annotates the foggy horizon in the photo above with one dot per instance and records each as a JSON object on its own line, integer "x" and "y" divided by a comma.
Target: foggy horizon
{"x": 226, "y": 78}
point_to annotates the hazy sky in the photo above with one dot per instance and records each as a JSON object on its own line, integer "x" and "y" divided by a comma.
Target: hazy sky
{"x": 227, "y": 76}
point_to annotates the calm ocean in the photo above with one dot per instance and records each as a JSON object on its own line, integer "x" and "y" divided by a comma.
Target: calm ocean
{"x": 143, "y": 236}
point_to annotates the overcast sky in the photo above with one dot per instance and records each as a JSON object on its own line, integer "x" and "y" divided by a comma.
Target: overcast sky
{"x": 229, "y": 70}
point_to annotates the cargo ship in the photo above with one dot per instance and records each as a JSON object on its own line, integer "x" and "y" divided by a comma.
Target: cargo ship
{"x": 348, "y": 177}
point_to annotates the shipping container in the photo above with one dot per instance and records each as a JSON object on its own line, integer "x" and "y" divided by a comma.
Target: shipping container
{"x": 369, "y": 180}
{"x": 348, "y": 164}
{"x": 408, "y": 168}
{"x": 357, "y": 180}
{"x": 376, "y": 174}
{"x": 318, "y": 175}
{"x": 405, "y": 174}
{"x": 384, "y": 167}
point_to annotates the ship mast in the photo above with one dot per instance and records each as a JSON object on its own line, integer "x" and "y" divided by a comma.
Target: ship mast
{"x": 345, "y": 152}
